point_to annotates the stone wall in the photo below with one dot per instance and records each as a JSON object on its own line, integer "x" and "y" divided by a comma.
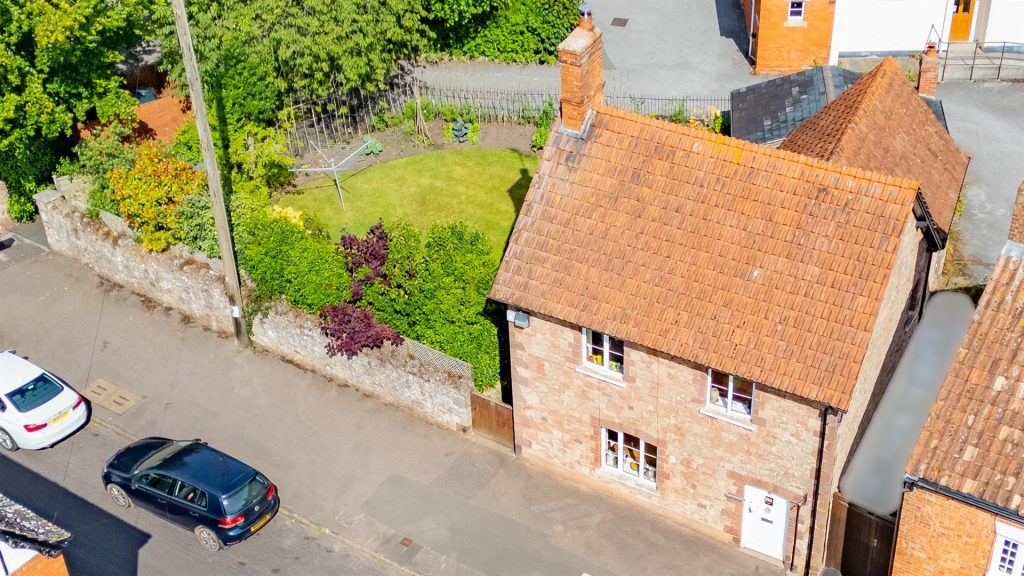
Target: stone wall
{"x": 412, "y": 376}
{"x": 190, "y": 283}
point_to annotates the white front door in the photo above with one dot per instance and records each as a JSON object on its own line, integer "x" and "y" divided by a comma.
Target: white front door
{"x": 765, "y": 520}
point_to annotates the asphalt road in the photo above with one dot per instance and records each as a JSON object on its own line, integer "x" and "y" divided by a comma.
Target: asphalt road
{"x": 63, "y": 485}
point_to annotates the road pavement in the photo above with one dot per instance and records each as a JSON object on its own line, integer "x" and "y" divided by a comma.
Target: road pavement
{"x": 63, "y": 485}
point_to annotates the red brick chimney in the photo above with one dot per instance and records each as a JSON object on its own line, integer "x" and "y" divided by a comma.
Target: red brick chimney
{"x": 928, "y": 73}
{"x": 580, "y": 61}
{"x": 1017, "y": 220}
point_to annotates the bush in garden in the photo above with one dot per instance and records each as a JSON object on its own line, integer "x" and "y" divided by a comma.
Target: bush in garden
{"x": 351, "y": 329}
{"x": 148, "y": 194}
{"x": 198, "y": 229}
{"x": 287, "y": 259}
{"x": 110, "y": 144}
{"x": 543, "y": 122}
{"x": 434, "y": 290}
{"x": 365, "y": 257}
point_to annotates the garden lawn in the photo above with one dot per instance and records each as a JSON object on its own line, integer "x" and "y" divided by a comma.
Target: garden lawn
{"x": 482, "y": 187}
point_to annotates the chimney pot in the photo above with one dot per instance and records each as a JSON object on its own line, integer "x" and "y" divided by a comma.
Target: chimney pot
{"x": 586, "y": 16}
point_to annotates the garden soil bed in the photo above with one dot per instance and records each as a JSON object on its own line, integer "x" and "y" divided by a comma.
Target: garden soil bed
{"x": 398, "y": 144}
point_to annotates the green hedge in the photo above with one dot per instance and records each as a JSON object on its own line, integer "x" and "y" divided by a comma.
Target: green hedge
{"x": 517, "y": 31}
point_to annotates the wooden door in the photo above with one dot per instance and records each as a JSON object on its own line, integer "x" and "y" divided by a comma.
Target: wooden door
{"x": 492, "y": 419}
{"x": 960, "y": 29}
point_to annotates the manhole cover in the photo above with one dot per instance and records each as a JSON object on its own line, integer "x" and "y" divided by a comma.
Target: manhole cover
{"x": 620, "y": 22}
{"x": 110, "y": 396}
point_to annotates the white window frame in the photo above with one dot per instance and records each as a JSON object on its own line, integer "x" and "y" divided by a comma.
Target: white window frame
{"x": 730, "y": 396}
{"x": 802, "y": 10}
{"x": 1007, "y": 536}
{"x": 606, "y": 362}
{"x": 619, "y": 461}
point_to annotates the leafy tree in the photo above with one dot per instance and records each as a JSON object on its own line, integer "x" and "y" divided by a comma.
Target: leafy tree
{"x": 510, "y": 31}
{"x": 56, "y": 65}
{"x": 148, "y": 194}
{"x": 253, "y": 53}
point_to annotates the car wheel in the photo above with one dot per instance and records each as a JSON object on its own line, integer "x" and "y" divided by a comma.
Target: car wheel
{"x": 207, "y": 539}
{"x": 7, "y": 441}
{"x": 119, "y": 496}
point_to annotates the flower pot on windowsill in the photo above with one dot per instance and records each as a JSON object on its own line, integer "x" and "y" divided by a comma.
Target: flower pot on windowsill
{"x": 615, "y": 367}
{"x": 596, "y": 359}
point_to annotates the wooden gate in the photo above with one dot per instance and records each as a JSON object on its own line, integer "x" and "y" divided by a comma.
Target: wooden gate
{"x": 492, "y": 419}
{"x": 859, "y": 542}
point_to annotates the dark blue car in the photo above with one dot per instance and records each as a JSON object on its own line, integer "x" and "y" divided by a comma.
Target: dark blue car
{"x": 222, "y": 500}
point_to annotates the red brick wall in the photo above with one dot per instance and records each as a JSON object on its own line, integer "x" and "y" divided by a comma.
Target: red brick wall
{"x": 785, "y": 46}
{"x": 42, "y": 566}
{"x": 704, "y": 462}
{"x": 940, "y": 535}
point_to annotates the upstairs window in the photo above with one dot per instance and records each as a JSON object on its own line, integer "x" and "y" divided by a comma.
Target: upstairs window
{"x": 602, "y": 350}
{"x": 796, "y": 10}
{"x": 730, "y": 394}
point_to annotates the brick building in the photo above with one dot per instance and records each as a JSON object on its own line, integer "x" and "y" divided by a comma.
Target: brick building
{"x": 791, "y": 35}
{"x": 964, "y": 513}
{"x": 702, "y": 323}
{"x": 29, "y": 545}
{"x": 787, "y": 36}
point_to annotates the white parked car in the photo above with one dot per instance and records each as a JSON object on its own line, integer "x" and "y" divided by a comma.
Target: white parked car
{"x": 37, "y": 409}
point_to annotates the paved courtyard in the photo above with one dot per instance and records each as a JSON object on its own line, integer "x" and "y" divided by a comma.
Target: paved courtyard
{"x": 666, "y": 48}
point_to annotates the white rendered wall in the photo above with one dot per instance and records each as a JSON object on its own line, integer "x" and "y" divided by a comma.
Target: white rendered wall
{"x": 1005, "y": 22}
{"x": 888, "y": 25}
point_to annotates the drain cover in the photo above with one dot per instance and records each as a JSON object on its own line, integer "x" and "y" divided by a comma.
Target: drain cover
{"x": 111, "y": 396}
{"x": 620, "y": 22}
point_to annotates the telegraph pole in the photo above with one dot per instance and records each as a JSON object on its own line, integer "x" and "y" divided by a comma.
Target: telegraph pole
{"x": 220, "y": 213}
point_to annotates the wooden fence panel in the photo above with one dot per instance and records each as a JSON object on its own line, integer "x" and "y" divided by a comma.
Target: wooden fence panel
{"x": 859, "y": 542}
{"x": 492, "y": 419}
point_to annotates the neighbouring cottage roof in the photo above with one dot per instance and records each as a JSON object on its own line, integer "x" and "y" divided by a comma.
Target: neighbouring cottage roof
{"x": 770, "y": 110}
{"x": 881, "y": 124}
{"x": 759, "y": 262}
{"x": 22, "y": 528}
{"x": 973, "y": 442}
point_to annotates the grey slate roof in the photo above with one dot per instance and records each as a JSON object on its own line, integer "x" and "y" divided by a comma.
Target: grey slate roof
{"x": 769, "y": 111}
{"x": 23, "y": 529}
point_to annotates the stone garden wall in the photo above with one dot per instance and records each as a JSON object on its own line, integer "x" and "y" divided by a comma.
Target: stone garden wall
{"x": 412, "y": 376}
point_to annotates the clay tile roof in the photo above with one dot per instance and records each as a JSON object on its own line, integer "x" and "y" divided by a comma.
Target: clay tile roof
{"x": 755, "y": 261}
{"x": 881, "y": 124}
{"x": 973, "y": 441}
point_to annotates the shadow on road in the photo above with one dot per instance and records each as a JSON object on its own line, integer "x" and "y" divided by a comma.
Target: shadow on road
{"x": 101, "y": 544}
{"x": 731, "y": 24}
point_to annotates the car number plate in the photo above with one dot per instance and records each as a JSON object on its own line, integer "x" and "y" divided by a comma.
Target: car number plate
{"x": 60, "y": 417}
{"x": 260, "y": 524}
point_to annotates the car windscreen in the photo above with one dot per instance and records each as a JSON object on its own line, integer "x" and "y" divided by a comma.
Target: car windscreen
{"x": 162, "y": 454}
{"x": 240, "y": 499}
{"x": 35, "y": 393}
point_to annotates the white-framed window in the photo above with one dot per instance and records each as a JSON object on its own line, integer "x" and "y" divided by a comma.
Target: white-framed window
{"x": 602, "y": 350}
{"x": 630, "y": 455}
{"x": 796, "y": 10}
{"x": 1006, "y": 551}
{"x": 730, "y": 394}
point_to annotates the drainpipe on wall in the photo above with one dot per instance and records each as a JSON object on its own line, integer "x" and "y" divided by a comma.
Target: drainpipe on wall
{"x": 817, "y": 489}
{"x": 753, "y": 33}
